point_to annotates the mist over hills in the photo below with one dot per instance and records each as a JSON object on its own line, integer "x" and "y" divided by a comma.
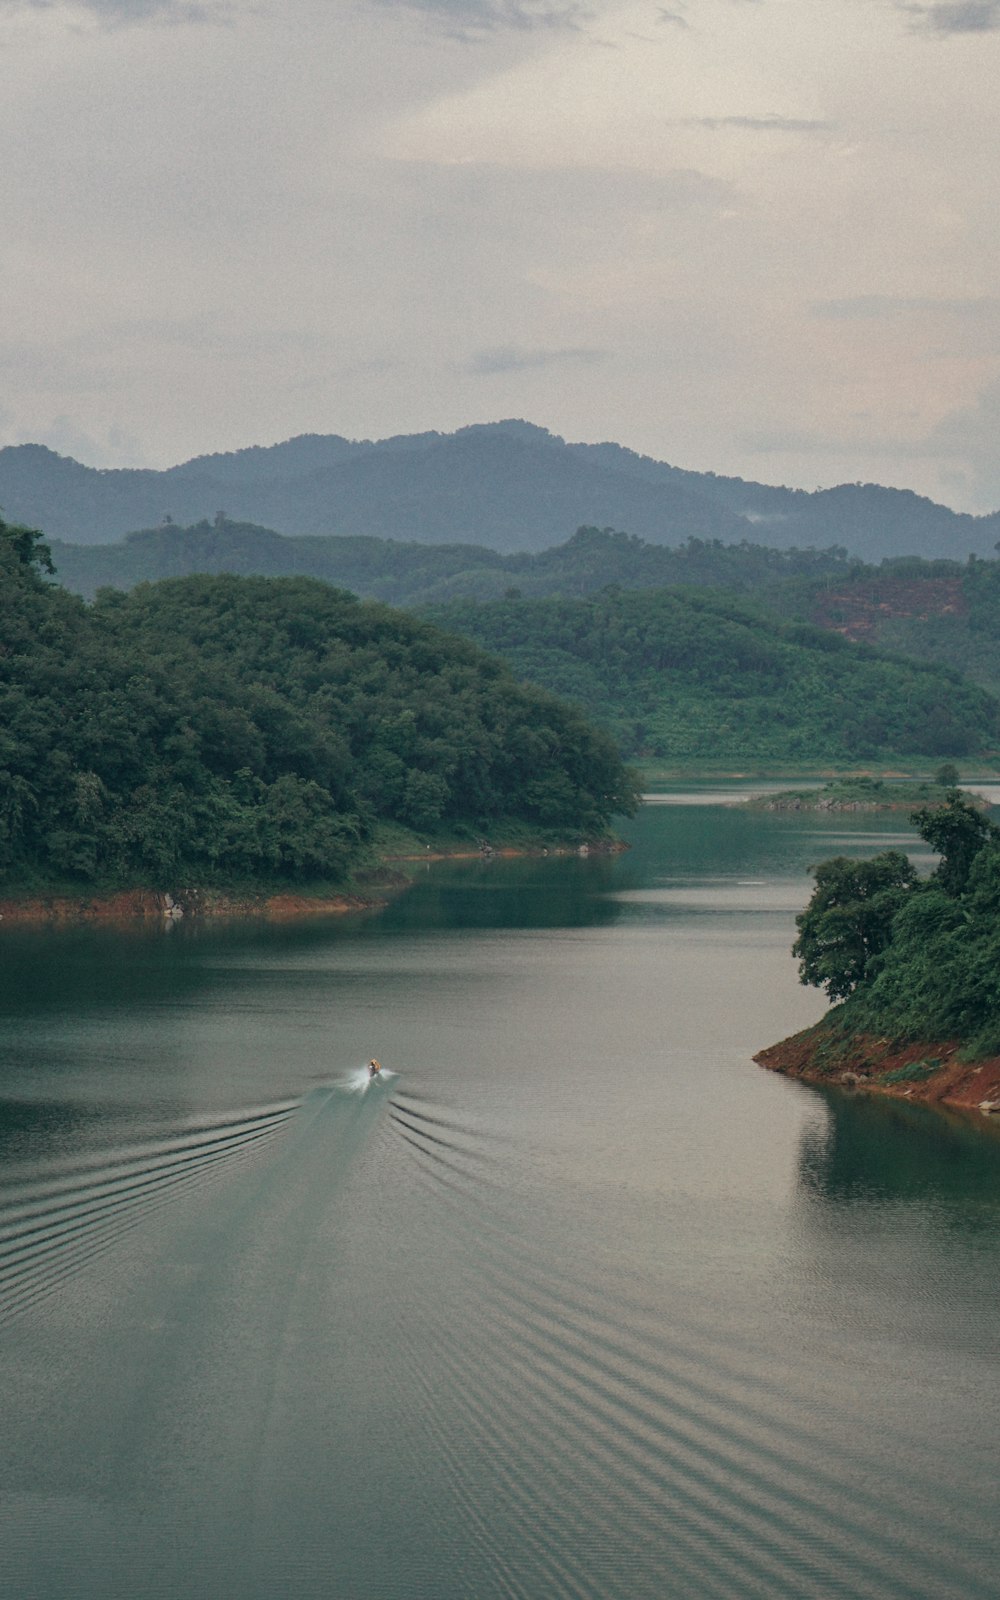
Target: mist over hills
{"x": 508, "y": 486}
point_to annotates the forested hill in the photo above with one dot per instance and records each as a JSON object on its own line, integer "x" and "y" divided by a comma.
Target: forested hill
{"x": 943, "y": 611}
{"x": 699, "y": 677}
{"x": 422, "y": 574}
{"x": 911, "y": 957}
{"x": 220, "y": 729}
{"x": 947, "y": 611}
{"x": 508, "y": 485}
{"x": 931, "y": 610}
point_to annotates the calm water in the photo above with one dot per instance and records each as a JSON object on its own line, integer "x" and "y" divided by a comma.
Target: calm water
{"x": 578, "y": 1303}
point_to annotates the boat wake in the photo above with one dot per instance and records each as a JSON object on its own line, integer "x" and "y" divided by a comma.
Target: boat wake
{"x": 359, "y": 1080}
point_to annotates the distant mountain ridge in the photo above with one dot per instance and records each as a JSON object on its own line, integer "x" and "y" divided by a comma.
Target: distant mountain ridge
{"x": 428, "y": 574}
{"x": 507, "y": 486}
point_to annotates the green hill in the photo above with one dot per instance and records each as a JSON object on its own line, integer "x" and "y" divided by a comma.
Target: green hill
{"x": 911, "y": 957}
{"x": 422, "y": 574}
{"x": 945, "y": 611}
{"x": 688, "y": 676}
{"x": 224, "y": 728}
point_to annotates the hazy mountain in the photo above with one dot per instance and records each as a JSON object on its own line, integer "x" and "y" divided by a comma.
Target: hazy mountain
{"x": 509, "y": 486}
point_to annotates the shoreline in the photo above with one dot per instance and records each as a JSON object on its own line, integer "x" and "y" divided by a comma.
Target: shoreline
{"x": 855, "y": 796}
{"x": 41, "y": 909}
{"x": 921, "y": 1071}
{"x": 785, "y": 802}
{"x": 61, "y": 909}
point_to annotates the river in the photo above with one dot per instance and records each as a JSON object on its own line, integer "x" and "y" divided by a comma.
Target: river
{"x": 577, "y": 1302}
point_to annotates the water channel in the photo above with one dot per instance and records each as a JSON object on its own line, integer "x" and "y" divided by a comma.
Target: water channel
{"x": 577, "y": 1302}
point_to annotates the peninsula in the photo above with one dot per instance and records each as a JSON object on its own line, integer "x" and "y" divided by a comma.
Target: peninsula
{"x": 914, "y": 964}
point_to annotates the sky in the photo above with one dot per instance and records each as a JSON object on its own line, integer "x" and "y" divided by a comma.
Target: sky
{"x": 757, "y": 237}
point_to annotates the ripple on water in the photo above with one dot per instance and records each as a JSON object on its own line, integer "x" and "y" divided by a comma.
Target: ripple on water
{"x": 640, "y": 1454}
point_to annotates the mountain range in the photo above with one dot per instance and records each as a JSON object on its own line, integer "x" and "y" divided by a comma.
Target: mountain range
{"x": 509, "y": 486}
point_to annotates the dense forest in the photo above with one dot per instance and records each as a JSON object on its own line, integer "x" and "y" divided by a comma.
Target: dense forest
{"x": 912, "y": 958}
{"x": 940, "y": 610}
{"x": 422, "y": 574}
{"x": 685, "y": 675}
{"x": 223, "y": 728}
{"x": 508, "y": 485}
{"x": 760, "y": 670}
{"x": 945, "y": 611}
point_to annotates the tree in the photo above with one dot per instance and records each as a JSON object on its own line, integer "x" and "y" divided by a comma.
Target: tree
{"x": 958, "y": 831}
{"x": 28, "y": 545}
{"x": 848, "y": 920}
{"x": 947, "y": 775}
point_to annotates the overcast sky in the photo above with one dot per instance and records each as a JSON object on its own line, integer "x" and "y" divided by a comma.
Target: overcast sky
{"x": 751, "y": 236}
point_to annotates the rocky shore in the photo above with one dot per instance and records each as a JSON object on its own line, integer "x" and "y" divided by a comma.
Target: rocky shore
{"x": 921, "y": 1071}
{"x": 837, "y": 798}
{"x": 149, "y": 905}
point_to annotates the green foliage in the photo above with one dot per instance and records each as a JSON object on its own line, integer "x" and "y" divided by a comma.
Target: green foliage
{"x": 857, "y": 794}
{"x": 690, "y": 674}
{"x": 957, "y": 830}
{"x": 27, "y": 547}
{"x": 927, "y": 610}
{"x": 934, "y": 971}
{"x": 946, "y": 611}
{"x": 220, "y": 727}
{"x": 913, "y": 1072}
{"x": 422, "y": 574}
{"x": 849, "y": 919}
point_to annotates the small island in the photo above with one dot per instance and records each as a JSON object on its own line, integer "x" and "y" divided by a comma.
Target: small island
{"x": 914, "y": 964}
{"x": 867, "y": 794}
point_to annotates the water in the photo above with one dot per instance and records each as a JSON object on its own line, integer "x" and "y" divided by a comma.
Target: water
{"x": 578, "y": 1302}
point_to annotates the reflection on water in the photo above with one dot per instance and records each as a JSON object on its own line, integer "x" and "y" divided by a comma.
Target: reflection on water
{"x": 871, "y": 1150}
{"x": 575, "y": 1301}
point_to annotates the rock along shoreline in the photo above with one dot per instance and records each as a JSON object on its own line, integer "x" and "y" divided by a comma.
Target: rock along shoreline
{"x": 148, "y": 906}
{"x": 920, "y": 1071}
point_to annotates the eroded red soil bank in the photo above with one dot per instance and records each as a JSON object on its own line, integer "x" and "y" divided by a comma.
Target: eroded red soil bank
{"x": 140, "y": 905}
{"x": 919, "y": 1071}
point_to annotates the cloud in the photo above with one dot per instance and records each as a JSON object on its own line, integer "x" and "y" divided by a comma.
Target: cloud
{"x": 769, "y": 123}
{"x": 114, "y": 448}
{"x": 122, "y": 13}
{"x": 677, "y": 18}
{"x": 960, "y": 448}
{"x": 806, "y": 442}
{"x": 875, "y": 306}
{"x": 956, "y": 16}
{"x": 508, "y": 358}
{"x": 969, "y": 434}
{"x": 465, "y": 17}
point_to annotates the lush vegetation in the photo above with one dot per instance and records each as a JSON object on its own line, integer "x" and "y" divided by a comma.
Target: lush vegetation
{"x": 218, "y": 728}
{"x": 939, "y": 610}
{"x": 913, "y": 958}
{"x": 687, "y": 675}
{"x": 425, "y": 574}
{"x": 863, "y": 793}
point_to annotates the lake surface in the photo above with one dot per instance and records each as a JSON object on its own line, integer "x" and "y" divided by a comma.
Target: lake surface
{"x": 579, "y": 1302}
